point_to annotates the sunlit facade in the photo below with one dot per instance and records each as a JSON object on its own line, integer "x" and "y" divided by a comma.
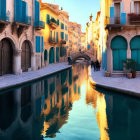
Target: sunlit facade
{"x": 55, "y": 33}
{"x": 74, "y": 37}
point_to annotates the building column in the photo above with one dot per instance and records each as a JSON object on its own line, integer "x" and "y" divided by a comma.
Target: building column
{"x": 17, "y": 62}
{"x": 33, "y": 61}
{"x": 129, "y": 50}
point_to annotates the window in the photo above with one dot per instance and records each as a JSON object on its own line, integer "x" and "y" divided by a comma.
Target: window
{"x": 62, "y": 26}
{"x": 66, "y": 28}
{"x": 62, "y": 35}
{"x": 137, "y": 7}
{"x": 48, "y": 19}
{"x": 58, "y": 22}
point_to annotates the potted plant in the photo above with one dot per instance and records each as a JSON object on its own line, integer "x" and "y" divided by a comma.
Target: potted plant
{"x": 131, "y": 65}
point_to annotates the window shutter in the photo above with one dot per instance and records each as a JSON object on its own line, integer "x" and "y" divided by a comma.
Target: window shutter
{"x": 3, "y": 9}
{"x": 37, "y": 11}
{"x": 123, "y": 18}
{"x": 42, "y": 44}
{"x": 57, "y": 37}
{"x": 37, "y": 44}
{"x": 132, "y": 6}
{"x": 58, "y": 22}
{"x": 62, "y": 35}
{"x": 48, "y": 18}
{"x": 111, "y": 15}
{"x": 18, "y": 11}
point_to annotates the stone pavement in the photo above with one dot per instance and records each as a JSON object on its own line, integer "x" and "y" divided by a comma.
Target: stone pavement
{"x": 10, "y": 80}
{"x": 121, "y": 84}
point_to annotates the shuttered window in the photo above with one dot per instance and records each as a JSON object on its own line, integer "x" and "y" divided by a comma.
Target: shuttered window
{"x": 48, "y": 18}
{"x": 37, "y": 44}
{"x": 58, "y": 22}
{"x": 62, "y": 35}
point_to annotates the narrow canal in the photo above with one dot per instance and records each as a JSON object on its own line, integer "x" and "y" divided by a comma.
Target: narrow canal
{"x": 65, "y": 106}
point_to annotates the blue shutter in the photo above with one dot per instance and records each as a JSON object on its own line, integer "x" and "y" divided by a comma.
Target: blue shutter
{"x": 3, "y": 9}
{"x": 123, "y": 18}
{"x": 42, "y": 44}
{"x": 50, "y": 35}
{"x": 37, "y": 11}
{"x": 37, "y": 44}
{"x": 48, "y": 19}
{"x": 0, "y": 7}
{"x": 24, "y": 12}
{"x": 18, "y": 10}
{"x": 111, "y": 15}
{"x": 62, "y": 35}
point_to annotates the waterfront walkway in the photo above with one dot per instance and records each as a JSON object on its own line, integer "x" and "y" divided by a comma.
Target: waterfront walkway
{"x": 121, "y": 84}
{"x": 10, "y": 80}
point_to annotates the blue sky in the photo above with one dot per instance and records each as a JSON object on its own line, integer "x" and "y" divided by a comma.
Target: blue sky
{"x": 79, "y": 10}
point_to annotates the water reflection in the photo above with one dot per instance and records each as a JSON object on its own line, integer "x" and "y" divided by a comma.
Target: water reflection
{"x": 65, "y": 106}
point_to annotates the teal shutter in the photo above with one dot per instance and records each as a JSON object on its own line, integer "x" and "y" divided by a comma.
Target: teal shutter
{"x": 0, "y": 9}
{"x": 57, "y": 54}
{"x": 42, "y": 44}
{"x": 111, "y": 15}
{"x": 37, "y": 11}
{"x": 18, "y": 10}
{"x": 62, "y": 26}
{"x": 62, "y": 35}
{"x": 54, "y": 35}
{"x": 58, "y": 22}
{"x": 37, "y": 44}
{"x": 51, "y": 56}
{"x": 3, "y": 9}
{"x": 57, "y": 39}
{"x": 48, "y": 19}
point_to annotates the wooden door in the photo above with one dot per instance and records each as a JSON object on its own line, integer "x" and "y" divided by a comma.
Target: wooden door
{"x": 7, "y": 57}
{"x": 25, "y": 57}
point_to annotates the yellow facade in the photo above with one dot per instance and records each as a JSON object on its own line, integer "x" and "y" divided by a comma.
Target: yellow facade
{"x": 55, "y": 33}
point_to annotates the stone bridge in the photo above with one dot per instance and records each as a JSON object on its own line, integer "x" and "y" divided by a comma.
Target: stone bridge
{"x": 86, "y": 55}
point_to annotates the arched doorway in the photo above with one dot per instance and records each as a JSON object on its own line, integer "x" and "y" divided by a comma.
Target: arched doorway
{"x": 6, "y": 57}
{"x": 25, "y": 56}
{"x": 119, "y": 49}
{"x": 51, "y": 56}
{"x": 135, "y": 50}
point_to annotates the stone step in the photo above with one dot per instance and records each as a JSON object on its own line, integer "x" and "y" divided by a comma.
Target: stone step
{"x": 119, "y": 74}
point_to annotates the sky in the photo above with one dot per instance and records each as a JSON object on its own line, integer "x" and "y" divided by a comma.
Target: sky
{"x": 79, "y": 10}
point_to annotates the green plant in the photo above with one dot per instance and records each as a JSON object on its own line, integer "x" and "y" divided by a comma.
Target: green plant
{"x": 130, "y": 64}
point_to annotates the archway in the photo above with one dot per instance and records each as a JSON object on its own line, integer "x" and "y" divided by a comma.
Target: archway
{"x": 51, "y": 56}
{"x": 135, "y": 50}
{"x": 6, "y": 57}
{"x": 25, "y": 56}
{"x": 119, "y": 48}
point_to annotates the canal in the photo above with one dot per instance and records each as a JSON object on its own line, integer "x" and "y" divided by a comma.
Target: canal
{"x": 64, "y": 106}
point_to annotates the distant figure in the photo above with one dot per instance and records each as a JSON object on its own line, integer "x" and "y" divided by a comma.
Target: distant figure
{"x": 97, "y": 65}
{"x": 69, "y": 60}
{"x": 93, "y": 64}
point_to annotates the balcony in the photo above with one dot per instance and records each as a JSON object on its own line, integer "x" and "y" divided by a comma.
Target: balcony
{"x": 21, "y": 24}
{"x": 4, "y": 21}
{"x": 53, "y": 23}
{"x": 134, "y": 18}
{"x": 63, "y": 42}
{"x": 52, "y": 41}
{"x": 39, "y": 25}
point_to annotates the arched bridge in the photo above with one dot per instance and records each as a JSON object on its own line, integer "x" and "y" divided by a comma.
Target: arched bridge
{"x": 85, "y": 55}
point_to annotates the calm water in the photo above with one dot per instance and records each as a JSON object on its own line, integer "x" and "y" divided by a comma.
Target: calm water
{"x": 65, "y": 106}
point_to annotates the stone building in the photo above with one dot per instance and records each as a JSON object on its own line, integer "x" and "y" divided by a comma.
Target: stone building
{"x": 55, "y": 33}
{"x": 74, "y": 36}
{"x": 83, "y": 42}
{"x": 19, "y": 22}
{"x": 123, "y": 34}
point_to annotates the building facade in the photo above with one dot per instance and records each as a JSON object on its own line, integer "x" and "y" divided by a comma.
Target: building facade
{"x": 83, "y": 42}
{"x": 123, "y": 34}
{"x": 55, "y": 33}
{"x": 19, "y": 22}
{"x": 74, "y": 36}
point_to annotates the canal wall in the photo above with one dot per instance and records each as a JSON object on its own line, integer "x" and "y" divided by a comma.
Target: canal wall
{"x": 10, "y": 81}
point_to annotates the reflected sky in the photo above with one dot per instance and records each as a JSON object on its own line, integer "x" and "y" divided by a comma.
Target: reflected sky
{"x": 65, "y": 106}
